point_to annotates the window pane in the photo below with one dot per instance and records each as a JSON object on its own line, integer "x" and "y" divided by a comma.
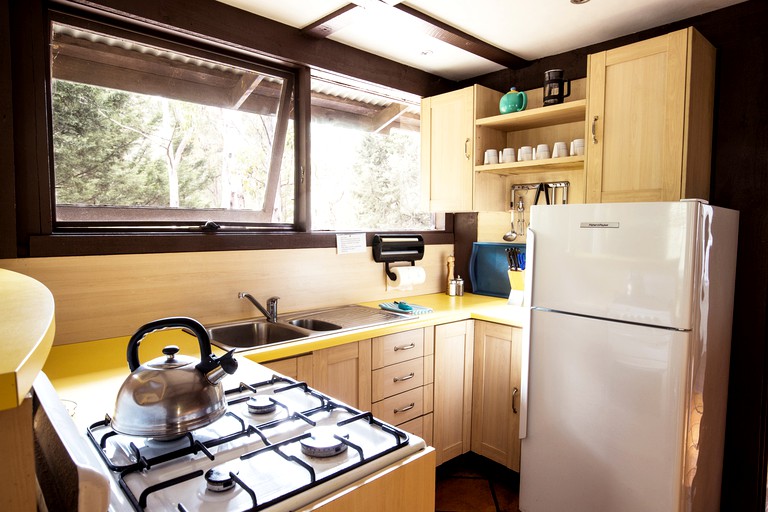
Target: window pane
{"x": 365, "y": 158}
{"x": 143, "y": 133}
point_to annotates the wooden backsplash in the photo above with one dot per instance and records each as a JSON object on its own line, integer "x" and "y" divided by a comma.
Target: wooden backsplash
{"x": 99, "y": 297}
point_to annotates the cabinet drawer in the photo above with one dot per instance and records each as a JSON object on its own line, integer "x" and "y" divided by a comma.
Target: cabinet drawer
{"x": 400, "y": 408}
{"x": 397, "y": 378}
{"x": 396, "y": 348}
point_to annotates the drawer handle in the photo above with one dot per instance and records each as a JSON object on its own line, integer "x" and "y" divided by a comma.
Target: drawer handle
{"x": 515, "y": 391}
{"x": 405, "y": 347}
{"x": 405, "y": 377}
{"x": 406, "y": 408}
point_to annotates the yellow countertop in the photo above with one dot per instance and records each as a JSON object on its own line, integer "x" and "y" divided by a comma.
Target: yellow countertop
{"x": 71, "y": 366}
{"x": 27, "y": 324}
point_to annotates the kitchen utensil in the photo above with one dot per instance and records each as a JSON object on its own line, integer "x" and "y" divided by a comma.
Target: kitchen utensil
{"x": 510, "y": 235}
{"x": 509, "y": 258}
{"x": 521, "y": 215}
{"x": 541, "y": 187}
{"x": 175, "y": 394}
{"x": 541, "y": 152}
{"x": 513, "y": 101}
{"x": 559, "y": 150}
{"x": 554, "y": 91}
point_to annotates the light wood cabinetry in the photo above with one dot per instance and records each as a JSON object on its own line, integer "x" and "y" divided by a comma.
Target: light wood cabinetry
{"x": 448, "y": 146}
{"x": 401, "y": 382}
{"x": 299, "y": 367}
{"x": 496, "y": 393}
{"x": 453, "y": 389}
{"x": 344, "y": 372}
{"x": 649, "y": 116}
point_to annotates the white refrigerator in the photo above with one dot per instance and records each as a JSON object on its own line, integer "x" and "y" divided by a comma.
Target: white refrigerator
{"x": 625, "y": 356}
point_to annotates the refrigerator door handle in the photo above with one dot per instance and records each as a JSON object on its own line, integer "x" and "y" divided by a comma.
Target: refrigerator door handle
{"x": 525, "y": 353}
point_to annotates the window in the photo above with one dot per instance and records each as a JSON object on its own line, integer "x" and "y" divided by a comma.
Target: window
{"x": 151, "y": 133}
{"x": 365, "y": 157}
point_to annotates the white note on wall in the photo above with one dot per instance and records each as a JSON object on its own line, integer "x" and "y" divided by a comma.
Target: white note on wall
{"x": 347, "y": 243}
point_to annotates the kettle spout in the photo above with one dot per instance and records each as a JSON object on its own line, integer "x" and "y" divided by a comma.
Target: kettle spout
{"x": 216, "y": 368}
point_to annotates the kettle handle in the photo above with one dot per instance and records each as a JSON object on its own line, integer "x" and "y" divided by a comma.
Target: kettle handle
{"x": 190, "y": 325}
{"x": 525, "y": 101}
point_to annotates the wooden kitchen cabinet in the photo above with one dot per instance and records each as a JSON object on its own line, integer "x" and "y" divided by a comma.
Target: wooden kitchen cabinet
{"x": 649, "y": 116}
{"x": 496, "y": 393}
{"x": 453, "y": 389}
{"x": 344, "y": 372}
{"x": 448, "y": 147}
{"x": 402, "y": 376}
{"x": 298, "y": 368}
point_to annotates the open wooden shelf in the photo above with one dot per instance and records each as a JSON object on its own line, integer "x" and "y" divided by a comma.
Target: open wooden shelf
{"x": 566, "y": 163}
{"x": 568, "y": 112}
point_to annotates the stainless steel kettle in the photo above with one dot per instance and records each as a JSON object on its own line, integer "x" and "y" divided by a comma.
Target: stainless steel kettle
{"x": 175, "y": 394}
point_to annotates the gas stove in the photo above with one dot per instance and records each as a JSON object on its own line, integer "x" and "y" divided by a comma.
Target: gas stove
{"x": 281, "y": 445}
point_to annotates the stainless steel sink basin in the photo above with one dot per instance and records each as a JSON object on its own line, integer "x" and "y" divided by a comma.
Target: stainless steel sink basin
{"x": 250, "y": 334}
{"x": 253, "y": 334}
{"x": 314, "y": 324}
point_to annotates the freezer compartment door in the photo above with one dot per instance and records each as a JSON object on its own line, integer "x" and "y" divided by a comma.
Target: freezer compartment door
{"x": 633, "y": 262}
{"x": 604, "y": 415}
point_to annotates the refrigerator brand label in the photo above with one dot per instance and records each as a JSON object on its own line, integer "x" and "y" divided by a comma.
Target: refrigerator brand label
{"x": 599, "y": 225}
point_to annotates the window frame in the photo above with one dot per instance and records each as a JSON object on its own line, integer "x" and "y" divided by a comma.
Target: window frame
{"x": 31, "y": 231}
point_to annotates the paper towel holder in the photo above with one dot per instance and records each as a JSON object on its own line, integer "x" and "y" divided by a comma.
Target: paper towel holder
{"x": 393, "y": 248}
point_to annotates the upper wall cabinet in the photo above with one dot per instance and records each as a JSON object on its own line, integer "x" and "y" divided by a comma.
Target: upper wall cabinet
{"x": 447, "y": 147}
{"x": 649, "y": 120}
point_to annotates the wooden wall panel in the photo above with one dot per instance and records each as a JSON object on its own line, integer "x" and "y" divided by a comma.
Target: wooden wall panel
{"x": 100, "y": 297}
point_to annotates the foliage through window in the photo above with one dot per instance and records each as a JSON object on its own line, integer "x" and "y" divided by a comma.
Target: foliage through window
{"x": 146, "y": 133}
{"x": 365, "y": 157}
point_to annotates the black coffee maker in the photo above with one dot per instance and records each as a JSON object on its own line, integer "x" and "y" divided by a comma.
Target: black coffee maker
{"x": 554, "y": 90}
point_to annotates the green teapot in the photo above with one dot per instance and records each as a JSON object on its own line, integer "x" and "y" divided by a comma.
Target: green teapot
{"x": 513, "y": 101}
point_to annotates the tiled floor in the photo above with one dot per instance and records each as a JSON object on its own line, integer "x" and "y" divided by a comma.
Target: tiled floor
{"x": 471, "y": 483}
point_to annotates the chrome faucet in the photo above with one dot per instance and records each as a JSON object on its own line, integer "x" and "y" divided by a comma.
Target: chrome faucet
{"x": 270, "y": 312}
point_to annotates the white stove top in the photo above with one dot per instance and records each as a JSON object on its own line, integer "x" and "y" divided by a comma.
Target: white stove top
{"x": 261, "y": 453}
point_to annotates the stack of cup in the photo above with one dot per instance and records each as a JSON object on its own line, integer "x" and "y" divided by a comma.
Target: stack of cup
{"x": 577, "y": 147}
{"x": 559, "y": 150}
{"x": 491, "y": 157}
{"x": 524, "y": 153}
{"x": 507, "y": 155}
{"x": 541, "y": 152}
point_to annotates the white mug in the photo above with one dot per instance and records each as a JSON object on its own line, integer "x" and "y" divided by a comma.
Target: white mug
{"x": 491, "y": 157}
{"x": 577, "y": 147}
{"x": 508, "y": 155}
{"x": 541, "y": 152}
{"x": 559, "y": 150}
{"x": 524, "y": 153}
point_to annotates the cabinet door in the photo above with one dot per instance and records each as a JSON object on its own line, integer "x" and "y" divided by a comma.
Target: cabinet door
{"x": 447, "y": 127}
{"x": 636, "y": 110}
{"x": 344, "y": 372}
{"x": 496, "y": 393}
{"x": 298, "y": 368}
{"x": 453, "y": 389}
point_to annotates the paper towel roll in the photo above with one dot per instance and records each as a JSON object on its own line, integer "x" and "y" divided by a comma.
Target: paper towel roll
{"x": 406, "y": 278}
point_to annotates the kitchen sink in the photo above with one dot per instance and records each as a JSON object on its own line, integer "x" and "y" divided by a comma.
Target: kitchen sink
{"x": 314, "y": 324}
{"x": 253, "y": 334}
{"x": 249, "y": 334}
